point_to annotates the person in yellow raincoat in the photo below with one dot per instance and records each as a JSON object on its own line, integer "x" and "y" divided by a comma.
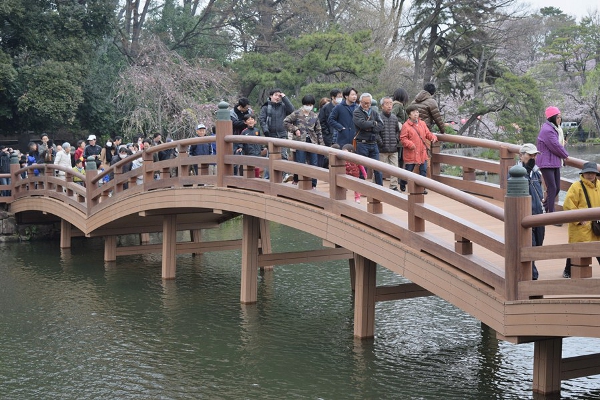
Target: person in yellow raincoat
{"x": 581, "y": 231}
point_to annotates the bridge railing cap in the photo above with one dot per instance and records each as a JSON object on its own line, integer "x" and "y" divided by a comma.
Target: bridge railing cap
{"x": 223, "y": 112}
{"x": 518, "y": 184}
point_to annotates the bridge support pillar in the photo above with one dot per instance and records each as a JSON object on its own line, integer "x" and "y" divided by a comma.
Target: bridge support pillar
{"x": 250, "y": 235}
{"x": 547, "y": 357}
{"x": 265, "y": 241}
{"x": 169, "y": 246}
{"x": 196, "y": 236}
{"x": 364, "y": 297}
{"x": 65, "y": 234}
{"x": 110, "y": 248}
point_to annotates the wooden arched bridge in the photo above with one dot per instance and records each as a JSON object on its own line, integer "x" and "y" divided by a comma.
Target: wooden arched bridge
{"x": 467, "y": 241}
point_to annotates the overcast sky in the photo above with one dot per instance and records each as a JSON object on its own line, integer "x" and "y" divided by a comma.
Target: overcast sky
{"x": 577, "y": 8}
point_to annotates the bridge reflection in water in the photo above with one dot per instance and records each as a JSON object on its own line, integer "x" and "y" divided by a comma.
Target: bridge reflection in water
{"x": 472, "y": 250}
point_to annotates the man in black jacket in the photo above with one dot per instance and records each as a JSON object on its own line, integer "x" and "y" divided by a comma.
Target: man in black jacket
{"x": 388, "y": 151}
{"x": 271, "y": 117}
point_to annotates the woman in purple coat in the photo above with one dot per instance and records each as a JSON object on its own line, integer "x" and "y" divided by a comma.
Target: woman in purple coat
{"x": 552, "y": 154}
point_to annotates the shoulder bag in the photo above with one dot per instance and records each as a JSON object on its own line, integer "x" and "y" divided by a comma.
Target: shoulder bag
{"x": 595, "y": 224}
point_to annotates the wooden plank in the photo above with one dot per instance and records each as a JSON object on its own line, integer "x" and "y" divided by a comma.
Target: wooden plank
{"x": 563, "y": 287}
{"x": 182, "y": 247}
{"x": 400, "y": 292}
{"x": 304, "y": 257}
{"x": 560, "y": 251}
{"x": 580, "y": 366}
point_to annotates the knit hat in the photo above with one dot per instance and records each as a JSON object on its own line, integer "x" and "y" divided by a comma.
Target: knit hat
{"x": 552, "y": 111}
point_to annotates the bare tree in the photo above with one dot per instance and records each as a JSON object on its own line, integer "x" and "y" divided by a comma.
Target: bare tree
{"x": 165, "y": 93}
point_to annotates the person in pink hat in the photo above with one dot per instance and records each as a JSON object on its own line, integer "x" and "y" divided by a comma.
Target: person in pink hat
{"x": 552, "y": 154}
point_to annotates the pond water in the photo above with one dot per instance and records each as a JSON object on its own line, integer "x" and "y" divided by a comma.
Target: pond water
{"x": 76, "y": 327}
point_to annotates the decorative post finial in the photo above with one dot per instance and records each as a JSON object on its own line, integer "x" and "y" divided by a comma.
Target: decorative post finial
{"x": 90, "y": 163}
{"x": 518, "y": 185}
{"x": 223, "y": 112}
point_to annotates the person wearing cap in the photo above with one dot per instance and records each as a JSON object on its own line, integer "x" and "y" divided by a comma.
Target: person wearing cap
{"x": 581, "y": 231}
{"x": 63, "y": 158}
{"x": 92, "y": 150}
{"x": 552, "y": 155}
{"x": 527, "y": 155}
{"x": 200, "y": 149}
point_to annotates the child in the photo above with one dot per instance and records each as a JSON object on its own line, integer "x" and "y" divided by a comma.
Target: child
{"x": 249, "y": 149}
{"x": 354, "y": 169}
{"x": 78, "y": 168}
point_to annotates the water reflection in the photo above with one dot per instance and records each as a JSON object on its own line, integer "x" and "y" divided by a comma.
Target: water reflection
{"x": 75, "y": 327}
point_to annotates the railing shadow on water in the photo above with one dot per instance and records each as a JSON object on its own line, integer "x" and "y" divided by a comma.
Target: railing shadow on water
{"x": 94, "y": 194}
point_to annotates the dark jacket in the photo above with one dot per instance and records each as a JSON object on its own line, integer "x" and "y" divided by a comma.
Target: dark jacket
{"x": 92, "y": 151}
{"x": 369, "y": 125}
{"x": 4, "y": 163}
{"x": 272, "y": 115}
{"x": 399, "y": 111}
{"x": 428, "y": 110}
{"x": 324, "y": 114}
{"x": 390, "y": 134}
{"x": 125, "y": 168}
{"x": 237, "y": 119}
{"x": 200, "y": 149}
{"x": 341, "y": 120}
{"x": 249, "y": 149}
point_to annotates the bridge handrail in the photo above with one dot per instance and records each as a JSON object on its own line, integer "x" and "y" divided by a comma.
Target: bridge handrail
{"x": 96, "y": 197}
{"x": 400, "y": 173}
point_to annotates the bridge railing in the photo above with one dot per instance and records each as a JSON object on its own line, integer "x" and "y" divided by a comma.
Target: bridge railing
{"x": 459, "y": 250}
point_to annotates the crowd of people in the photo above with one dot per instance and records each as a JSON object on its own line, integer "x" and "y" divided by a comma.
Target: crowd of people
{"x": 398, "y": 133}
{"x": 390, "y": 134}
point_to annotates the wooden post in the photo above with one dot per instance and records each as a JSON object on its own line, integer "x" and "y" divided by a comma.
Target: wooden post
{"x": 517, "y": 205}
{"x": 435, "y": 168}
{"x": 364, "y": 297}
{"x": 336, "y": 167}
{"x": 547, "y": 357}
{"x": 415, "y": 196}
{"x": 275, "y": 176}
{"x": 581, "y": 267}
{"x": 110, "y": 248}
{"x": 250, "y": 233}
{"x": 90, "y": 173}
{"x": 144, "y": 238}
{"x": 65, "y": 234}
{"x": 507, "y": 160}
{"x": 265, "y": 241}
{"x": 196, "y": 237}
{"x": 169, "y": 246}
{"x": 352, "y": 268}
{"x": 462, "y": 245}
{"x": 224, "y": 128}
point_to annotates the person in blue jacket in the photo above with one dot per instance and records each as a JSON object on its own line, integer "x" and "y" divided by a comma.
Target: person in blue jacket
{"x": 527, "y": 157}
{"x": 341, "y": 118}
